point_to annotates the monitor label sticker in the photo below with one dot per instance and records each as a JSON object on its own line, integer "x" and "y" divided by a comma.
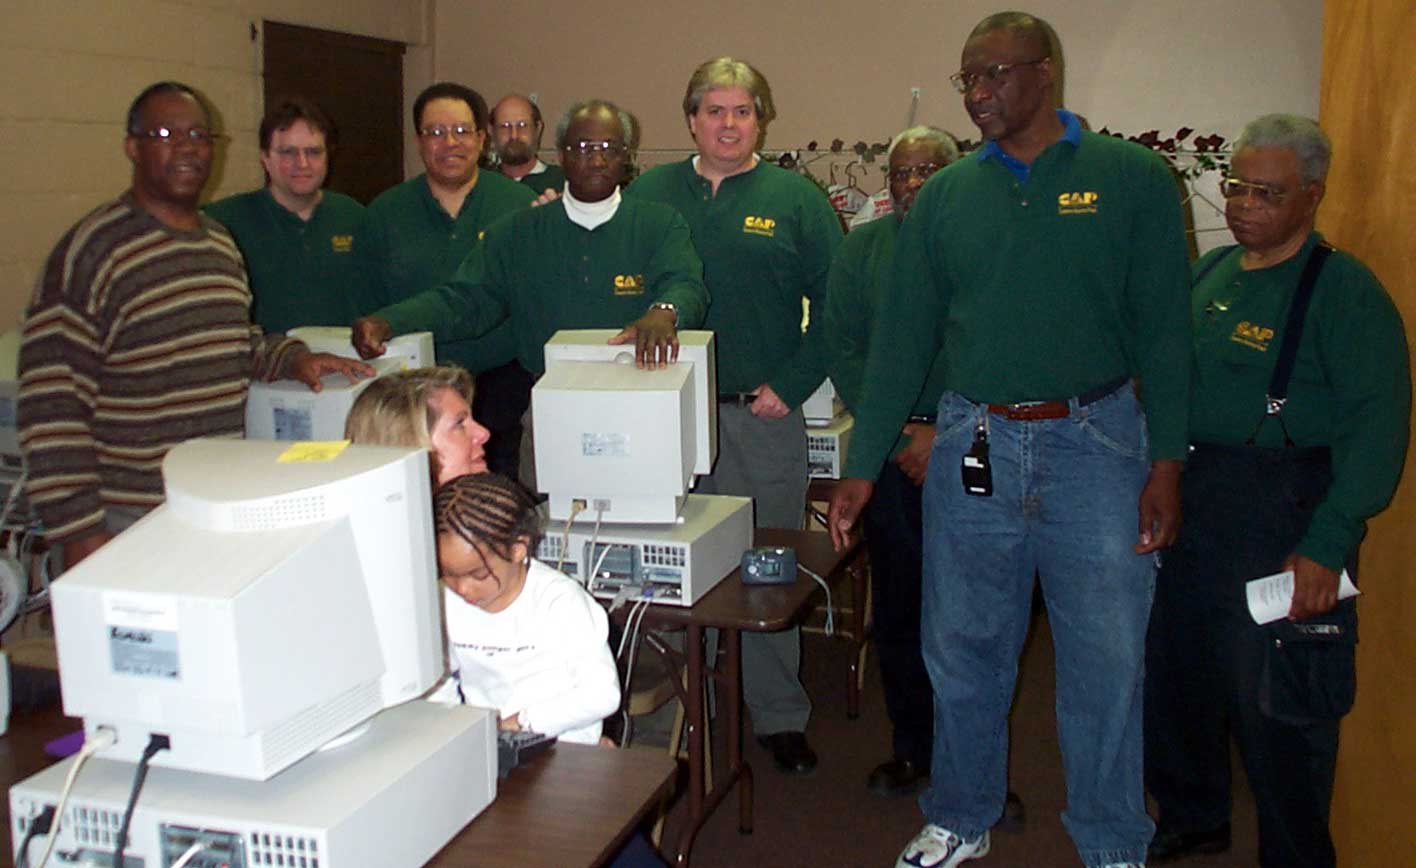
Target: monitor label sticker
{"x": 614, "y": 445}
{"x": 142, "y": 634}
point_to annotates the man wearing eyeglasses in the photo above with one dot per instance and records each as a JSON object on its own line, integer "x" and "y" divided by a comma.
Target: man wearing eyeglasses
{"x": 589, "y": 259}
{"x": 860, "y": 275}
{"x": 418, "y": 232}
{"x": 1283, "y": 475}
{"x": 297, "y": 238}
{"x": 1049, "y": 268}
{"x": 139, "y": 336}
{"x": 516, "y": 139}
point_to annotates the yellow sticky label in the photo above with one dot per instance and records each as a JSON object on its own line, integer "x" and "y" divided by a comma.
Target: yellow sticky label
{"x": 312, "y": 450}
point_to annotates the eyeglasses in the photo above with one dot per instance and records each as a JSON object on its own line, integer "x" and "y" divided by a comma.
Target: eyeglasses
{"x": 1266, "y": 194}
{"x": 290, "y": 153}
{"x": 199, "y": 136}
{"x": 584, "y": 150}
{"x": 992, "y": 77}
{"x": 508, "y": 126}
{"x": 921, "y": 171}
{"x": 459, "y": 131}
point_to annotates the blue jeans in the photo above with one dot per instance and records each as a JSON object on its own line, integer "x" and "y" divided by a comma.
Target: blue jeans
{"x": 1064, "y": 504}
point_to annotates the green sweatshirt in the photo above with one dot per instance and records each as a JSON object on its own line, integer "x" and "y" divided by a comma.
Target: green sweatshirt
{"x": 552, "y": 178}
{"x": 301, "y": 272}
{"x": 766, "y": 239}
{"x": 1037, "y": 290}
{"x": 860, "y": 276}
{"x": 540, "y": 272}
{"x": 1351, "y": 385}
{"x": 411, "y": 244}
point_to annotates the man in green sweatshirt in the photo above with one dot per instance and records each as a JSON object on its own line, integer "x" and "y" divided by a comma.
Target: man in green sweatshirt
{"x": 1050, "y": 268}
{"x": 589, "y": 259}
{"x": 297, "y": 238}
{"x": 860, "y": 276}
{"x": 419, "y": 232}
{"x": 1272, "y": 484}
{"x": 766, "y": 236}
{"x": 516, "y": 139}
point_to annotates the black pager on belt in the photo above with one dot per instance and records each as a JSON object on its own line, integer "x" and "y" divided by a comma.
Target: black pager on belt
{"x": 975, "y": 470}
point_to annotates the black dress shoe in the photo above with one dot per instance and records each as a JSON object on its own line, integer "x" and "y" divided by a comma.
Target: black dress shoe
{"x": 790, "y": 751}
{"x": 898, "y": 777}
{"x": 1169, "y": 845}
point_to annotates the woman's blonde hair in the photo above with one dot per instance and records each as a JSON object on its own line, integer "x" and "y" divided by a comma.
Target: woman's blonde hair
{"x": 394, "y": 410}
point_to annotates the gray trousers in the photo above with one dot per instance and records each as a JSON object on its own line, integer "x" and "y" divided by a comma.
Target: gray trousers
{"x": 765, "y": 459}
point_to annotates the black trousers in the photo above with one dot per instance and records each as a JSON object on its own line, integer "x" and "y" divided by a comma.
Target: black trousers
{"x": 894, "y": 535}
{"x": 1280, "y": 689}
{"x": 502, "y": 395}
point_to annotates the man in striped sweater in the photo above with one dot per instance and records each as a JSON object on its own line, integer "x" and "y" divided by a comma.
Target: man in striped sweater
{"x": 139, "y": 336}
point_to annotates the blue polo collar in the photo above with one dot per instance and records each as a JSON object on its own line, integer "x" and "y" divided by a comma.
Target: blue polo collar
{"x": 1071, "y": 134}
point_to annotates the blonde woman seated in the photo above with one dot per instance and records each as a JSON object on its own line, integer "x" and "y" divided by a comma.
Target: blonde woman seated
{"x": 523, "y": 638}
{"x": 428, "y": 407}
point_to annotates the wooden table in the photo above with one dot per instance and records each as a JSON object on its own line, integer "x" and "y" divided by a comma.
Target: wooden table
{"x": 733, "y": 607}
{"x": 575, "y": 805}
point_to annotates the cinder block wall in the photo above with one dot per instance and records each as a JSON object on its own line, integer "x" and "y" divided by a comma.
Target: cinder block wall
{"x": 71, "y": 67}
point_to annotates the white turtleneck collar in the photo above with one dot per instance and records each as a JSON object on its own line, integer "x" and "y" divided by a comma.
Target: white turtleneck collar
{"x": 590, "y": 214}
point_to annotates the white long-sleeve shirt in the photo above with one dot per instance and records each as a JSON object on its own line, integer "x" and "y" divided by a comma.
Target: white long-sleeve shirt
{"x": 544, "y": 657}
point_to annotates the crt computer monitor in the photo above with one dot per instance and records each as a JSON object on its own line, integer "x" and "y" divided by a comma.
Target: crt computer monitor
{"x": 622, "y": 443}
{"x": 288, "y": 410}
{"x": 276, "y": 600}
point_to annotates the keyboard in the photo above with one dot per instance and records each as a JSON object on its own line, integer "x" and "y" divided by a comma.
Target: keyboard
{"x": 517, "y": 748}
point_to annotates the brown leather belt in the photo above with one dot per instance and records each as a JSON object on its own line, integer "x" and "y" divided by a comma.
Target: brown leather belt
{"x": 1032, "y": 411}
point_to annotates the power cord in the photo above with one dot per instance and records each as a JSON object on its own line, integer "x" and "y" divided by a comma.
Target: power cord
{"x": 189, "y": 854}
{"x": 594, "y": 538}
{"x": 830, "y": 611}
{"x": 629, "y": 640}
{"x": 38, "y": 826}
{"x": 101, "y": 739}
{"x": 156, "y": 743}
{"x": 576, "y": 508}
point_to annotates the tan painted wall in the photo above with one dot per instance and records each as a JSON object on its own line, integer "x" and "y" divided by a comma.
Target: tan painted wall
{"x": 841, "y": 68}
{"x": 838, "y": 69}
{"x": 71, "y": 67}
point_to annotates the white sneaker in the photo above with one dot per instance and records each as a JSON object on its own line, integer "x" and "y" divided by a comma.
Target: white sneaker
{"x": 937, "y": 847}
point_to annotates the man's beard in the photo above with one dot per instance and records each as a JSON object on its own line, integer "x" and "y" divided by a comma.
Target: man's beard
{"x": 516, "y": 153}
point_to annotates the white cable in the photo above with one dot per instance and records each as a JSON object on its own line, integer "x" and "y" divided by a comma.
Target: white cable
{"x": 594, "y": 537}
{"x": 104, "y": 738}
{"x": 632, "y": 624}
{"x": 575, "y": 509}
{"x": 189, "y": 855}
{"x": 830, "y": 613}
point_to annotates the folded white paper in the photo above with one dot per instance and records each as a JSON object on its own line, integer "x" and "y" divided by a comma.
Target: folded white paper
{"x": 1271, "y": 597}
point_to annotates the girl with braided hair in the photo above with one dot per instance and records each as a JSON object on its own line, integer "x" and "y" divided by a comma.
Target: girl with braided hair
{"x": 523, "y": 638}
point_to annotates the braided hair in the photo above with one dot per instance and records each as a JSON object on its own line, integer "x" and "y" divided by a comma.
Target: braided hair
{"x": 488, "y": 509}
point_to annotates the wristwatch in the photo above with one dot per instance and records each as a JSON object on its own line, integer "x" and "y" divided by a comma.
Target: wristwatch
{"x": 668, "y": 306}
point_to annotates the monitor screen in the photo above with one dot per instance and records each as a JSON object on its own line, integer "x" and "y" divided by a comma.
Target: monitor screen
{"x": 281, "y": 596}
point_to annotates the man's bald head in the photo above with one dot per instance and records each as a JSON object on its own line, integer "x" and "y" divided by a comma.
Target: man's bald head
{"x": 1029, "y": 28}
{"x": 516, "y": 129}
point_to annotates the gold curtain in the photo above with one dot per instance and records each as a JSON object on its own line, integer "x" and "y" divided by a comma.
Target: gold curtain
{"x": 1369, "y": 109}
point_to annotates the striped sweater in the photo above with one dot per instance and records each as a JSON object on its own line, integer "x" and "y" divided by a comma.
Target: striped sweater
{"x": 138, "y": 337}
